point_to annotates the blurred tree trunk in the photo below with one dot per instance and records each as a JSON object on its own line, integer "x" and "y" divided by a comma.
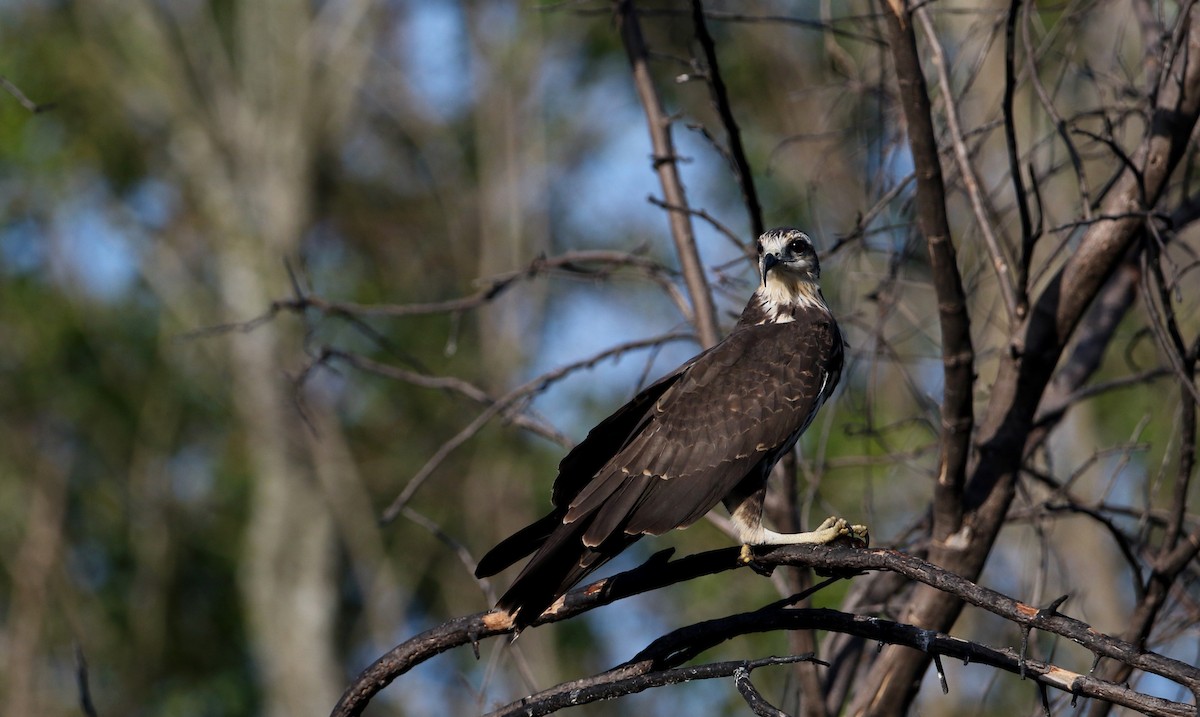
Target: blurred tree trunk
{"x": 33, "y": 570}
{"x": 244, "y": 123}
{"x": 513, "y": 196}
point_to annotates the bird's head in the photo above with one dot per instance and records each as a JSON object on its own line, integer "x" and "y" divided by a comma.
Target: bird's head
{"x": 788, "y": 269}
{"x": 787, "y": 254}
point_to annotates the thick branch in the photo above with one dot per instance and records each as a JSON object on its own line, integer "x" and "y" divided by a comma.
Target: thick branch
{"x": 958, "y": 355}
{"x": 659, "y": 571}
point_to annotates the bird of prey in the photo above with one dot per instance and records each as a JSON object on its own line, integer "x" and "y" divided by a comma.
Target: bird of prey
{"x": 708, "y": 432}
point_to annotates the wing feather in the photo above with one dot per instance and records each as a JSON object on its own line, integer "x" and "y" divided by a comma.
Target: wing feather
{"x": 722, "y": 416}
{"x": 579, "y": 467}
{"x": 611, "y": 516}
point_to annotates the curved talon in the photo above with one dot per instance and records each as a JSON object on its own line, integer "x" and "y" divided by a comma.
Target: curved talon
{"x": 857, "y": 536}
{"x": 861, "y": 535}
{"x": 747, "y": 557}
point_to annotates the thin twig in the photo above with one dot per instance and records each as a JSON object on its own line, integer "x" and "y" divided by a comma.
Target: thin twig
{"x": 83, "y": 684}
{"x": 627, "y": 680}
{"x": 754, "y": 699}
{"x": 449, "y": 383}
{"x": 8, "y": 86}
{"x": 1014, "y": 157}
{"x": 720, "y": 98}
{"x": 962, "y": 157}
{"x": 537, "y": 384}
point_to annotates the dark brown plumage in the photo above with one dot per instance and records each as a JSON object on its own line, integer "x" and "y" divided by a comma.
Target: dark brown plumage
{"x": 710, "y": 431}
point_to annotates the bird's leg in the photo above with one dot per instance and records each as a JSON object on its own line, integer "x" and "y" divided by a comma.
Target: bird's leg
{"x": 746, "y": 513}
{"x": 830, "y": 530}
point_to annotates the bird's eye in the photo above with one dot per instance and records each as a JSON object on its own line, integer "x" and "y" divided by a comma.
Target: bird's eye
{"x": 796, "y": 246}
{"x": 758, "y": 246}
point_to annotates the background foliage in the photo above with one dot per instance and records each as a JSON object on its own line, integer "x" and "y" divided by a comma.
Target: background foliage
{"x": 190, "y": 498}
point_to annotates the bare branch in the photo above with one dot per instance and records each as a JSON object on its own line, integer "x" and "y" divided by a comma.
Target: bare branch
{"x": 575, "y": 264}
{"x": 450, "y": 383}
{"x": 958, "y": 355}
{"x": 1014, "y": 157}
{"x": 665, "y": 164}
{"x": 627, "y": 680}
{"x": 720, "y": 98}
{"x": 725, "y": 231}
{"x": 1004, "y": 278}
{"x": 754, "y": 699}
{"x": 537, "y": 384}
{"x": 8, "y": 86}
{"x": 1060, "y": 125}
{"x": 1162, "y": 321}
{"x": 659, "y": 571}
{"x": 82, "y": 682}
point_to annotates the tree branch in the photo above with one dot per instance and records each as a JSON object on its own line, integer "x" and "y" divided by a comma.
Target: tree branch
{"x": 659, "y": 571}
{"x": 629, "y": 679}
{"x": 538, "y": 383}
{"x": 958, "y": 355}
{"x": 1034, "y": 352}
{"x": 665, "y": 164}
{"x": 1000, "y": 264}
{"x": 1014, "y": 160}
{"x": 720, "y": 98}
{"x": 11, "y": 88}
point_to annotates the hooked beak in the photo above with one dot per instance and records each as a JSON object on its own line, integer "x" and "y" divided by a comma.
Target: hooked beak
{"x": 764, "y": 265}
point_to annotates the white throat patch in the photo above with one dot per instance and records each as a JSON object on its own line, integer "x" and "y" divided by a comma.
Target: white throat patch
{"x": 785, "y": 292}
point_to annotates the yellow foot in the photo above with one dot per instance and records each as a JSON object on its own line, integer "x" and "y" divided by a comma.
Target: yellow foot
{"x": 747, "y": 555}
{"x": 838, "y": 530}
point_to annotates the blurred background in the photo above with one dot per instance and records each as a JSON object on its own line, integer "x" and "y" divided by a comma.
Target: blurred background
{"x": 192, "y": 477}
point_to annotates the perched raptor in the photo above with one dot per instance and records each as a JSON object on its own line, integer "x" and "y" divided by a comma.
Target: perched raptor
{"x": 708, "y": 432}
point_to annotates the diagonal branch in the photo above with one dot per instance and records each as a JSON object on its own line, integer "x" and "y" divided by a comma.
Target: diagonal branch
{"x": 525, "y": 390}
{"x": 720, "y": 98}
{"x": 11, "y": 88}
{"x": 666, "y": 165}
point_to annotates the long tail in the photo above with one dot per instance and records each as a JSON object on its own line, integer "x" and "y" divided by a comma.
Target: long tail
{"x": 518, "y": 545}
{"x": 561, "y": 562}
